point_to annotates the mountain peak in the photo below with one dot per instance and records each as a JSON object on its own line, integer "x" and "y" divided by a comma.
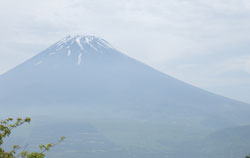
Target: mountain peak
{"x": 83, "y": 40}
{"x": 74, "y": 48}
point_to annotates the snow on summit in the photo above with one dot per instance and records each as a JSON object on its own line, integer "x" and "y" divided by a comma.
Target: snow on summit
{"x": 84, "y": 40}
{"x": 75, "y": 48}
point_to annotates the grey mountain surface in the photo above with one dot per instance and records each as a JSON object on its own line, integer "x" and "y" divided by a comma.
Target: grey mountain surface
{"x": 141, "y": 111}
{"x": 87, "y": 71}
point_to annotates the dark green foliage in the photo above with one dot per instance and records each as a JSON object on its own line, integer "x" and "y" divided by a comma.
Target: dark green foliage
{"x": 248, "y": 156}
{"x": 6, "y": 127}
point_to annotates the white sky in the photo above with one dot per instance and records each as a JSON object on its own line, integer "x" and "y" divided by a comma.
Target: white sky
{"x": 205, "y": 43}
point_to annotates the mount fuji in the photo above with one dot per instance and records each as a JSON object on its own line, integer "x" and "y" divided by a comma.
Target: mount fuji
{"x": 131, "y": 104}
{"x": 86, "y": 71}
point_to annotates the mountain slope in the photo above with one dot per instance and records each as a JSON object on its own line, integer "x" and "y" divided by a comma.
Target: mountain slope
{"x": 85, "y": 71}
{"x": 230, "y": 142}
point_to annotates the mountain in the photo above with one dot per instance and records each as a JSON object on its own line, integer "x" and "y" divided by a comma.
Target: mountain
{"x": 87, "y": 71}
{"x": 135, "y": 107}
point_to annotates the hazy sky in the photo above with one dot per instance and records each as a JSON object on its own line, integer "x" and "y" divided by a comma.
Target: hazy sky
{"x": 203, "y": 42}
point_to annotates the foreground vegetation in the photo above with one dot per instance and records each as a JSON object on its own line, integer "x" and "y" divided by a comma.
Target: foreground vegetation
{"x": 6, "y": 127}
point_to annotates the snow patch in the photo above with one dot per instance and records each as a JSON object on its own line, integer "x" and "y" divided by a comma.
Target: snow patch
{"x": 64, "y": 40}
{"x": 52, "y": 53}
{"x": 93, "y": 47}
{"x": 79, "y": 60}
{"x": 87, "y": 40}
{"x": 69, "y": 53}
{"x": 105, "y": 43}
{"x": 78, "y": 41}
{"x": 59, "y": 47}
{"x": 38, "y": 63}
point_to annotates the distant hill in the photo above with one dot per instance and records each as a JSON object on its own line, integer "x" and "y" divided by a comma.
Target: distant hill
{"x": 229, "y": 142}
